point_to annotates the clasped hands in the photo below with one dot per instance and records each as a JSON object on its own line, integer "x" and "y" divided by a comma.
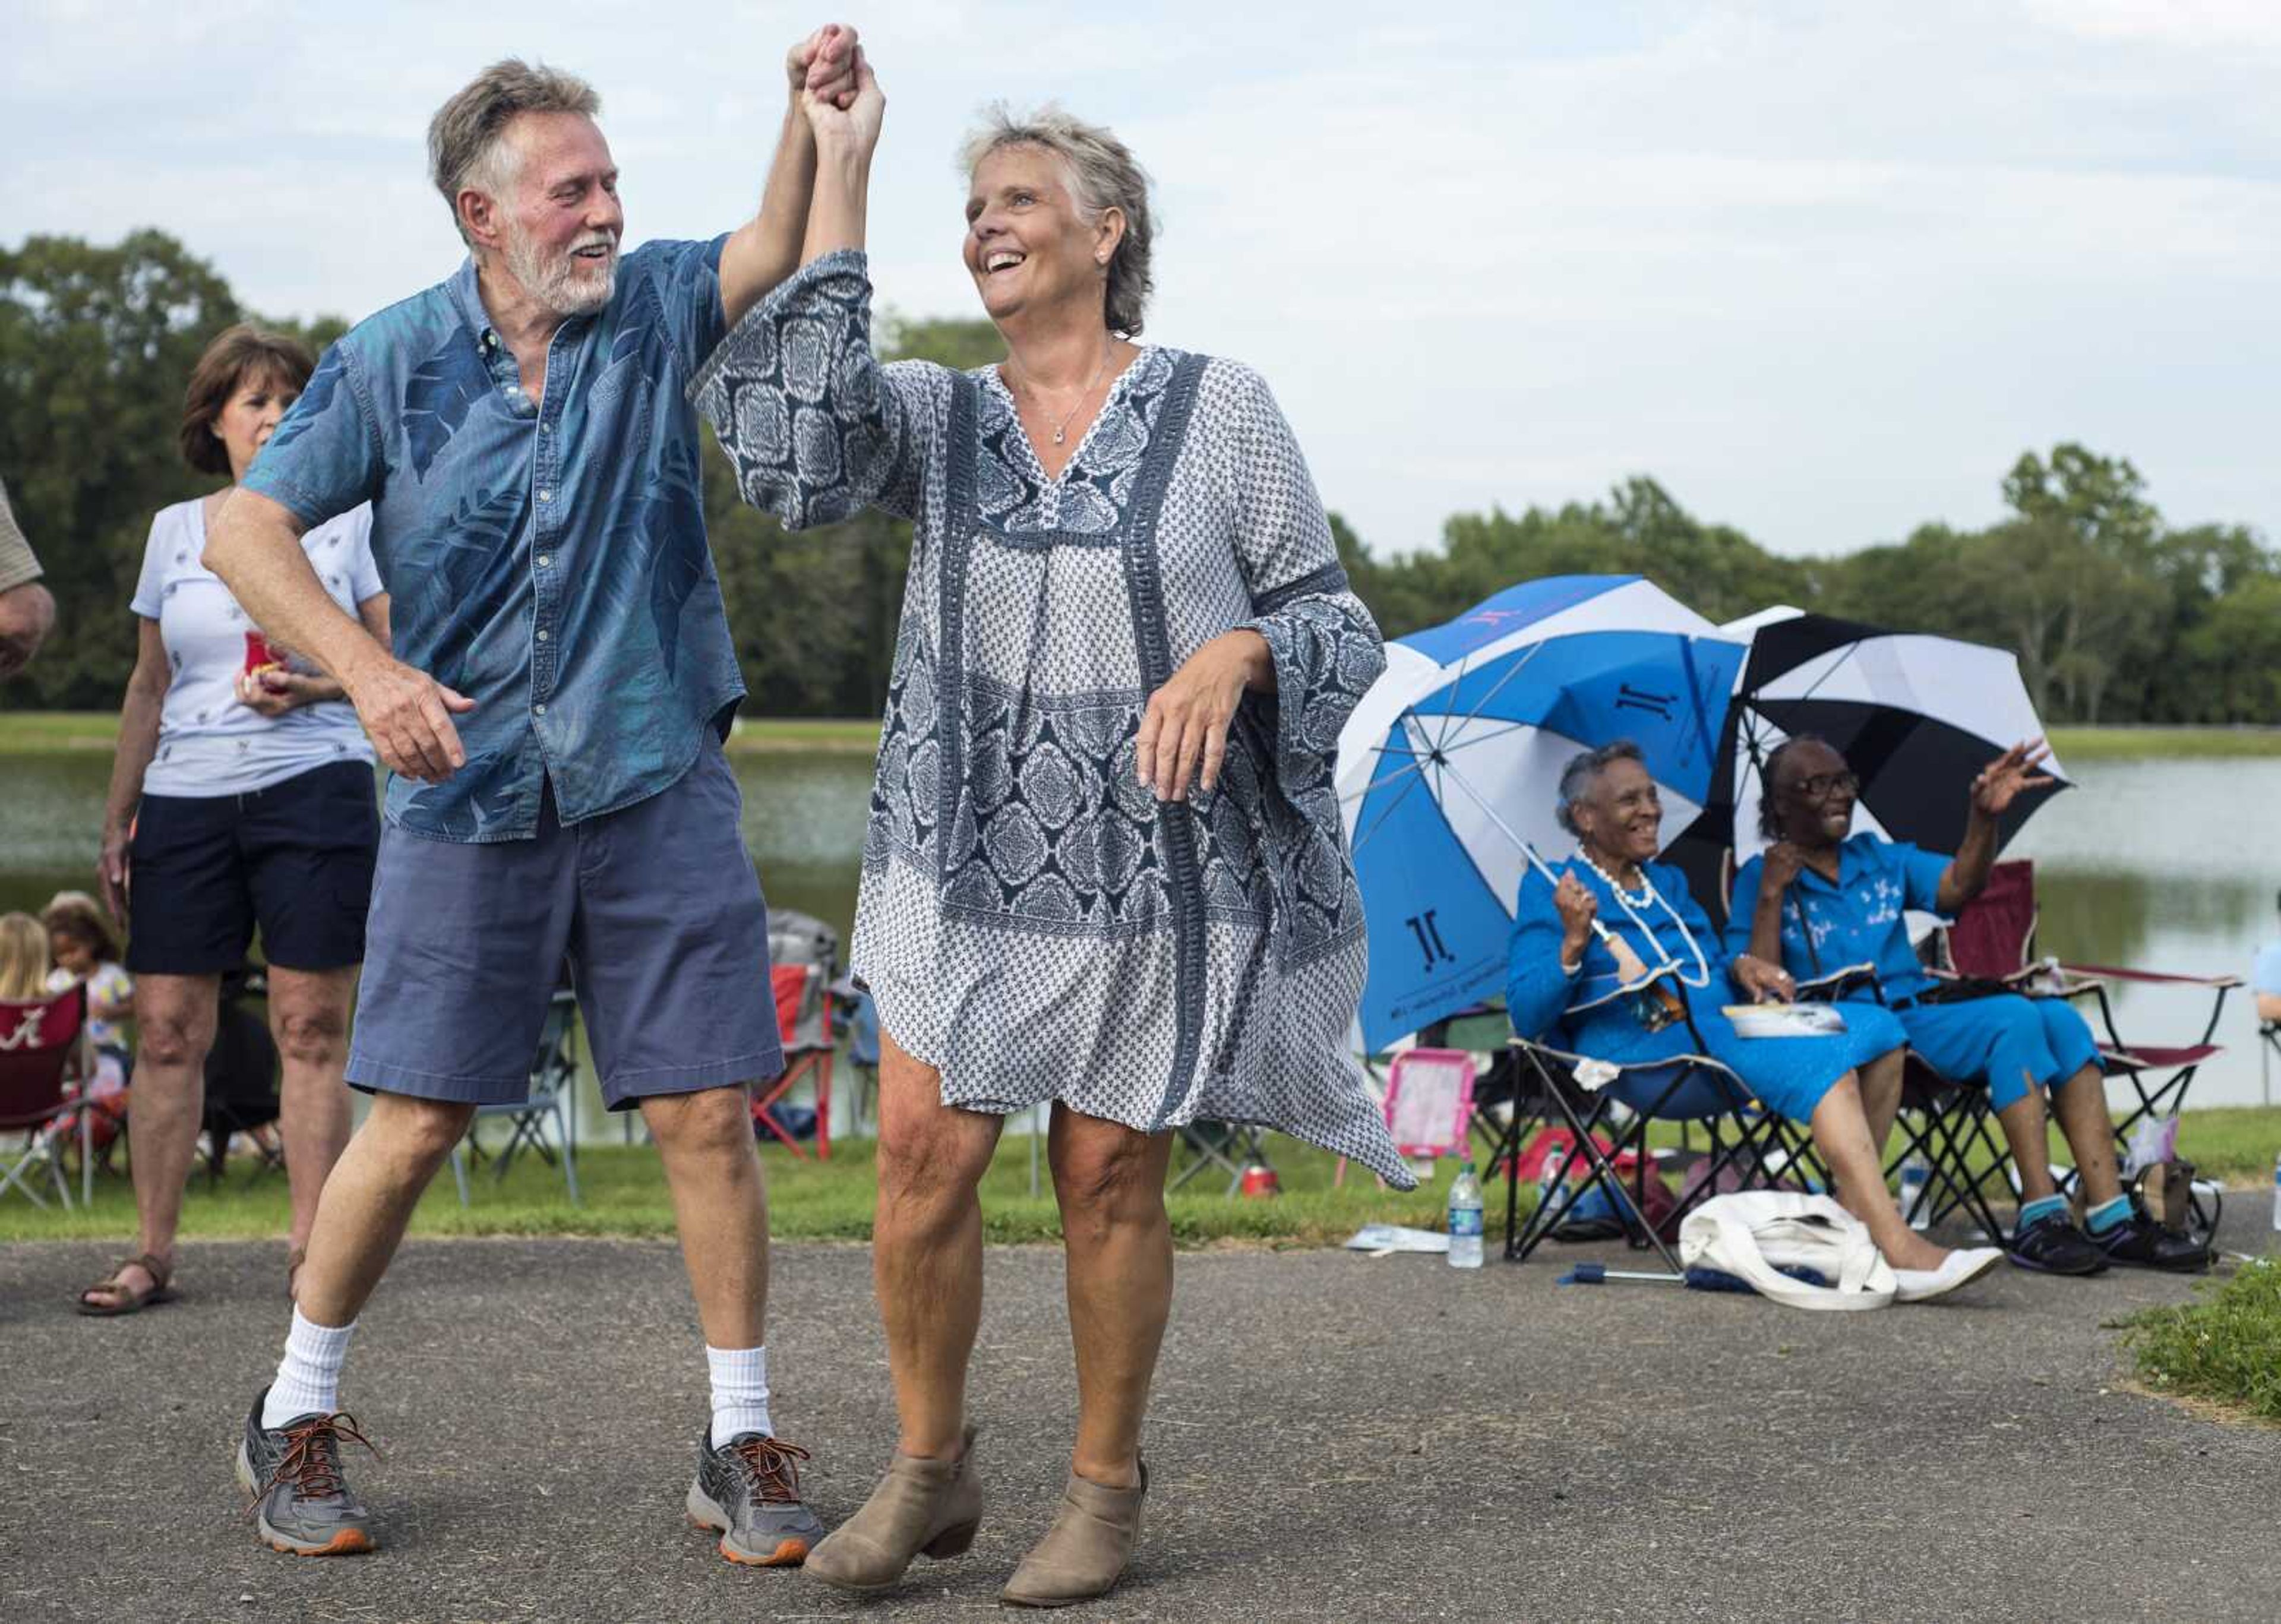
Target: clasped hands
{"x": 831, "y": 81}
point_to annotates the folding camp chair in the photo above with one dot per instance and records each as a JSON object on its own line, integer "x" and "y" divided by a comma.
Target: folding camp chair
{"x": 804, "y": 1027}
{"x": 39, "y": 1039}
{"x": 1230, "y": 1147}
{"x": 241, "y": 1076}
{"x": 1995, "y": 937}
{"x": 1607, "y": 1110}
{"x": 552, "y": 1103}
{"x": 855, "y": 1017}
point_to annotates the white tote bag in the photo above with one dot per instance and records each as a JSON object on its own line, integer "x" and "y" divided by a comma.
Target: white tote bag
{"x": 1754, "y": 1234}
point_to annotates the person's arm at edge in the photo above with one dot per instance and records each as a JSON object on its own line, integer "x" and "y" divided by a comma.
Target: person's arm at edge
{"x": 254, "y": 544}
{"x": 138, "y": 742}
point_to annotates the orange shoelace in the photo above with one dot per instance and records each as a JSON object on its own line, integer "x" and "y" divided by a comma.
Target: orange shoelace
{"x": 312, "y": 1461}
{"x": 775, "y": 1469}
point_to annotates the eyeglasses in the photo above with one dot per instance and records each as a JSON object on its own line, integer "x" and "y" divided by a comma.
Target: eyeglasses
{"x": 1822, "y": 785}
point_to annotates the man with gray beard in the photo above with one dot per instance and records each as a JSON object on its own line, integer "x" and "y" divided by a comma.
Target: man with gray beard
{"x": 553, "y": 717}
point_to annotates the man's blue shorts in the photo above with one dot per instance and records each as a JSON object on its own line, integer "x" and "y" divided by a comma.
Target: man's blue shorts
{"x": 657, "y": 910}
{"x": 2009, "y": 1045}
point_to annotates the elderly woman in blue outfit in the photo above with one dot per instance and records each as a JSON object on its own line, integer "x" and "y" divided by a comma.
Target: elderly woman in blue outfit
{"x": 1653, "y": 991}
{"x": 1823, "y": 898}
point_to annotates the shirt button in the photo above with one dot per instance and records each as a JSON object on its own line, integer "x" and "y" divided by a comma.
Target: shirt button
{"x": 542, "y": 636}
{"x": 546, "y": 495}
{"x": 538, "y": 710}
{"x": 544, "y": 559}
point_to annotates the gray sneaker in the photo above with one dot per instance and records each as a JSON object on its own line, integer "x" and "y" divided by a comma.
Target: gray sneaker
{"x": 748, "y": 1491}
{"x": 301, "y": 1503}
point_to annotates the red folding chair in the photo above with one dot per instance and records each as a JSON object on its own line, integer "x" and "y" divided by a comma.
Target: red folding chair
{"x": 39, "y": 1039}
{"x": 1995, "y": 937}
{"x": 804, "y": 1027}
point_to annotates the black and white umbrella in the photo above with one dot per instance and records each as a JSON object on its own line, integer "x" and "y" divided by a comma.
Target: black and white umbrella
{"x": 1916, "y": 716}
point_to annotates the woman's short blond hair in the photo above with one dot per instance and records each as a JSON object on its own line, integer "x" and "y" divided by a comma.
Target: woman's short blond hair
{"x": 1104, "y": 175}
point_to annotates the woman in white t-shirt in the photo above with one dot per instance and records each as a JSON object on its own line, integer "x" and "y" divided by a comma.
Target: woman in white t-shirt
{"x": 242, "y": 795}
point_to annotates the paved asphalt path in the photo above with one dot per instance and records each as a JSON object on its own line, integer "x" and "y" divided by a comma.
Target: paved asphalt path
{"x": 1333, "y": 1436}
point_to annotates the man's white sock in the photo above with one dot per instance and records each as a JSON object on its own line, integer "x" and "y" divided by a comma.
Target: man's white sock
{"x": 740, "y": 1392}
{"x": 309, "y": 1376}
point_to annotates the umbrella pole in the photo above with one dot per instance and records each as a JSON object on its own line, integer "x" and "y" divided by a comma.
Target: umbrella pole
{"x": 1629, "y": 964}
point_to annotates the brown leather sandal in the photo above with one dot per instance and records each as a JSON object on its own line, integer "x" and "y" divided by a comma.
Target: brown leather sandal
{"x": 125, "y": 1298}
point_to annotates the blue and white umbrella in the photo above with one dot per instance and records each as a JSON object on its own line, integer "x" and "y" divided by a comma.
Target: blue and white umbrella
{"x": 1449, "y": 769}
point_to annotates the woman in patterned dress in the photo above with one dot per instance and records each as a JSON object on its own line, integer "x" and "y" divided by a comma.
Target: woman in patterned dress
{"x": 1104, "y": 864}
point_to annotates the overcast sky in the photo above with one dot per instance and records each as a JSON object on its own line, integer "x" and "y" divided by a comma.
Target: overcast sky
{"x": 1822, "y": 269}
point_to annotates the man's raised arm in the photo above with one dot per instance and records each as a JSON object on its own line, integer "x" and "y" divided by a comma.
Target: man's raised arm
{"x": 254, "y": 545}
{"x": 766, "y": 248}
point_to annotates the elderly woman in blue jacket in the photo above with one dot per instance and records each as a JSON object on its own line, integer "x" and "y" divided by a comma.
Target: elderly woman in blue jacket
{"x": 1824, "y": 897}
{"x": 1653, "y": 987}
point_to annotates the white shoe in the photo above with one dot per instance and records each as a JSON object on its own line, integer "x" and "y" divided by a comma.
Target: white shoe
{"x": 1957, "y": 1269}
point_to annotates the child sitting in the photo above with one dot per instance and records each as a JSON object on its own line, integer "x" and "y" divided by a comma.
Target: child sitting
{"x": 85, "y": 948}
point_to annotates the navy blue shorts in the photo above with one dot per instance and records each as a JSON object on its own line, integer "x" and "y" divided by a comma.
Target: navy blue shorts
{"x": 295, "y": 859}
{"x": 657, "y": 910}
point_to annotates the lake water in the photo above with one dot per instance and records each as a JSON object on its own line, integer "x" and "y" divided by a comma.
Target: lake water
{"x": 2162, "y": 865}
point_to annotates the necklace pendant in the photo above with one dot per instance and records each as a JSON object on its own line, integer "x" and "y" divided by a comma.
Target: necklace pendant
{"x": 1060, "y": 435}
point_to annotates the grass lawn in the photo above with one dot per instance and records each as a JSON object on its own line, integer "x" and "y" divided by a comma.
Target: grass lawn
{"x": 624, "y": 1194}
{"x": 67, "y": 730}
{"x": 2225, "y": 1346}
{"x": 2133, "y": 744}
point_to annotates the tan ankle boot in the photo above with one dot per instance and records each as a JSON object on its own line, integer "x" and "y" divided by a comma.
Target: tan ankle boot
{"x": 927, "y": 1508}
{"x": 1086, "y": 1550}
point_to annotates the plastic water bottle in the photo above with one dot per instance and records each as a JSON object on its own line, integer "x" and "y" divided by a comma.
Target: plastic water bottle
{"x": 1466, "y": 1218}
{"x": 1917, "y": 1172}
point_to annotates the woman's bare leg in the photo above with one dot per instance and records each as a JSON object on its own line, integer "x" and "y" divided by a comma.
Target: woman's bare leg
{"x": 1841, "y": 1133}
{"x": 174, "y": 1029}
{"x": 926, "y": 1247}
{"x": 309, "y": 1016}
{"x": 1109, "y": 1180}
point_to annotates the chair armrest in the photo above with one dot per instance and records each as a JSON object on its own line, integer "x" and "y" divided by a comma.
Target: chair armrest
{"x": 1595, "y": 1073}
{"x": 1830, "y": 984}
{"x": 2150, "y": 977}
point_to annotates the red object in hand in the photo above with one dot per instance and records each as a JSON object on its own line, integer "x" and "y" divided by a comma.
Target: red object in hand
{"x": 258, "y": 655}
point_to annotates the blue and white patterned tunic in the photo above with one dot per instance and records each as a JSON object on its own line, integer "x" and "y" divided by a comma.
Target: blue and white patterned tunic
{"x": 1031, "y": 922}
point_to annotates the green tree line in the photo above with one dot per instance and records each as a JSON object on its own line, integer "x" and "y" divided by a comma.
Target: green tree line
{"x": 2115, "y": 616}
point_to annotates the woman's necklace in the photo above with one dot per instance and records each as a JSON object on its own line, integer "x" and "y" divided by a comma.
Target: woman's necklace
{"x": 1650, "y": 897}
{"x": 1061, "y": 428}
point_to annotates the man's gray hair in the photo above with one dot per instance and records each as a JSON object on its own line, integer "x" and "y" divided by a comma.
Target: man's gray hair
{"x": 1583, "y": 771}
{"x": 465, "y": 138}
{"x": 1103, "y": 175}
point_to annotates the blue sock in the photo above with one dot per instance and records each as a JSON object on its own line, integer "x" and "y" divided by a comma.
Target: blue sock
{"x": 2042, "y": 1207}
{"x": 2108, "y": 1215}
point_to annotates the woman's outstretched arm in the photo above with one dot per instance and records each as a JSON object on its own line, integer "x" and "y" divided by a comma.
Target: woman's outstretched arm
{"x": 766, "y": 248}
{"x": 846, "y": 138}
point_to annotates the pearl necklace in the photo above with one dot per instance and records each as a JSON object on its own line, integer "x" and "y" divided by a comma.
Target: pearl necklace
{"x": 1649, "y": 896}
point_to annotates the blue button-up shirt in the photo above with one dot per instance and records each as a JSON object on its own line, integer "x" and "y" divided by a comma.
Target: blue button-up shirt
{"x": 1860, "y": 920}
{"x": 545, "y": 558}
